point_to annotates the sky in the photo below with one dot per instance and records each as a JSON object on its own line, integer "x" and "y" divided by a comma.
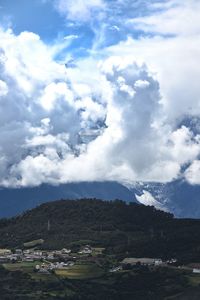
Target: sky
{"x": 99, "y": 90}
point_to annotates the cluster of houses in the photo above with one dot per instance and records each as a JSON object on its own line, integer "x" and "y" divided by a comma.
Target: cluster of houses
{"x": 132, "y": 262}
{"x": 60, "y": 259}
{"x": 129, "y": 263}
{"x": 86, "y": 250}
{"x": 47, "y": 268}
{"x": 30, "y": 255}
{"x": 6, "y": 255}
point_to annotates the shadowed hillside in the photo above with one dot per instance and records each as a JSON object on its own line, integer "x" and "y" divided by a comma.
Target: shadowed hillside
{"x": 120, "y": 227}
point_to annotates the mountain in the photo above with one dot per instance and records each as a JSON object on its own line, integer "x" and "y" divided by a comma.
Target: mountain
{"x": 178, "y": 197}
{"x": 16, "y": 201}
{"x": 122, "y": 228}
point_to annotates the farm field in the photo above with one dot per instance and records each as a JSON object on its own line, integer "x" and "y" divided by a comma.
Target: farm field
{"x": 26, "y": 267}
{"x": 78, "y": 271}
{"x": 81, "y": 271}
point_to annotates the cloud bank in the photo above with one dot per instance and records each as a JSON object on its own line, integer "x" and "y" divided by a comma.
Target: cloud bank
{"x": 122, "y": 115}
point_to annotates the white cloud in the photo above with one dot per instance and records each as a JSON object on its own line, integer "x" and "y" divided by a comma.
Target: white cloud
{"x": 175, "y": 64}
{"x": 141, "y": 84}
{"x": 80, "y": 10}
{"x": 53, "y": 93}
{"x": 3, "y": 88}
{"x": 185, "y": 145}
{"x": 179, "y": 17}
{"x": 126, "y": 103}
{"x": 192, "y": 173}
{"x": 71, "y": 37}
{"x": 115, "y": 27}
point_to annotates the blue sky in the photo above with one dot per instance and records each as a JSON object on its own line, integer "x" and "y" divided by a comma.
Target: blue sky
{"x": 90, "y": 88}
{"x": 45, "y": 19}
{"x": 34, "y": 16}
{"x": 42, "y": 18}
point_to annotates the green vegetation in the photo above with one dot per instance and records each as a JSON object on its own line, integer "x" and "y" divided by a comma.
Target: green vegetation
{"x": 141, "y": 284}
{"x": 81, "y": 271}
{"x": 17, "y": 285}
{"x": 194, "y": 279}
{"x": 21, "y": 266}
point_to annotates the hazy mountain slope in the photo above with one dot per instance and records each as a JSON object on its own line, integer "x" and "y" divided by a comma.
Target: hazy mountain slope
{"x": 15, "y": 201}
{"x": 178, "y": 197}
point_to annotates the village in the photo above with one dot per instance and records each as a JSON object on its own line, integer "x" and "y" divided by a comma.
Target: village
{"x": 45, "y": 261}
{"x": 49, "y": 261}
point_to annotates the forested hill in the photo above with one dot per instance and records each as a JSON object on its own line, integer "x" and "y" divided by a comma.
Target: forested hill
{"x": 120, "y": 227}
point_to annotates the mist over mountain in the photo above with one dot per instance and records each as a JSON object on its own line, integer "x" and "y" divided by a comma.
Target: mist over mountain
{"x": 177, "y": 197}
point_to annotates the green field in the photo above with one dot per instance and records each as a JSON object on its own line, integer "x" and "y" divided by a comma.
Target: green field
{"x": 26, "y": 267}
{"x": 81, "y": 271}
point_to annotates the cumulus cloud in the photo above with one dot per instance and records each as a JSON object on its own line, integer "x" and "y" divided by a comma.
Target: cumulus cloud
{"x": 116, "y": 116}
{"x": 40, "y": 116}
{"x": 192, "y": 174}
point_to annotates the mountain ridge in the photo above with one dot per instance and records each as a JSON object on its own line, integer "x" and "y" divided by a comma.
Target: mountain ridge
{"x": 177, "y": 197}
{"x": 16, "y": 201}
